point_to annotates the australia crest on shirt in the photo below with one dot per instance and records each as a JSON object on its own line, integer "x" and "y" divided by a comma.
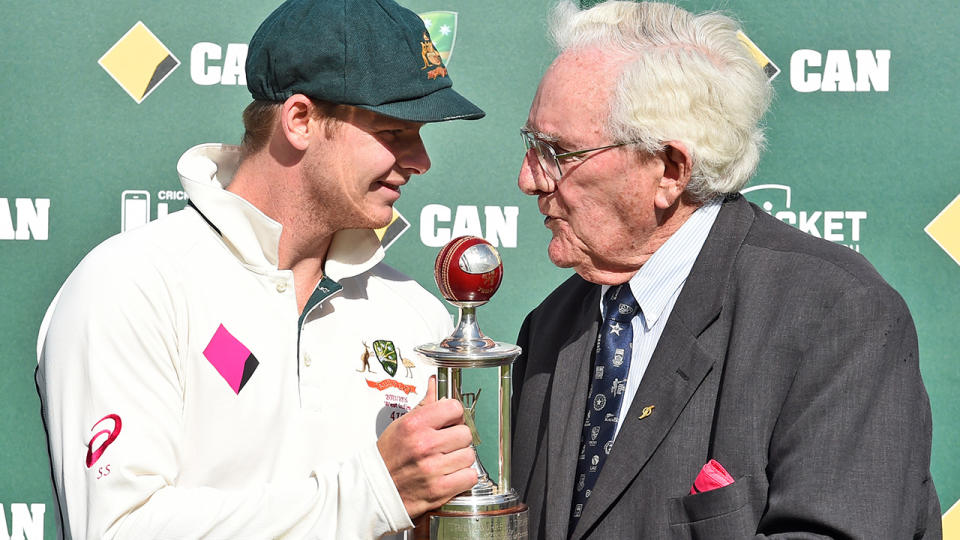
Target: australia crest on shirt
{"x": 386, "y": 369}
{"x": 384, "y": 366}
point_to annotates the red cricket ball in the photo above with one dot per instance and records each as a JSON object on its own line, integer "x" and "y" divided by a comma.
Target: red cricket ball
{"x": 468, "y": 269}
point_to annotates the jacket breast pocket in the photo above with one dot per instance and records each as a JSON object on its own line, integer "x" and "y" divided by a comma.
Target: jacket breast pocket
{"x": 719, "y": 513}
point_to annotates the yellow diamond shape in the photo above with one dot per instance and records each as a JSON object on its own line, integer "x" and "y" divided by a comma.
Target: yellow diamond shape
{"x": 951, "y": 523}
{"x": 762, "y": 59}
{"x": 397, "y": 226}
{"x": 139, "y": 62}
{"x": 945, "y": 229}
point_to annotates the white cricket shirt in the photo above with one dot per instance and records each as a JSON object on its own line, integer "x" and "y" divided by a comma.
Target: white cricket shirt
{"x": 184, "y": 397}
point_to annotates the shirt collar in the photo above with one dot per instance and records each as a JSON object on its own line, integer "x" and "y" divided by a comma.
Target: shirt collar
{"x": 667, "y": 269}
{"x": 207, "y": 169}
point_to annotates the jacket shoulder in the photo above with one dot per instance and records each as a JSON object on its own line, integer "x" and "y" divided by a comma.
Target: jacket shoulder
{"x": 800, "y": 254}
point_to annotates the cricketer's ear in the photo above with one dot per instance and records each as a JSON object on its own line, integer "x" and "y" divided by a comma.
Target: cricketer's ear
{"x": 295, "y": 116}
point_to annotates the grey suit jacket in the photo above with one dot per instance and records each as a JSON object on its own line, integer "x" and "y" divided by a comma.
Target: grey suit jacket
{"x": 786, "y": 358}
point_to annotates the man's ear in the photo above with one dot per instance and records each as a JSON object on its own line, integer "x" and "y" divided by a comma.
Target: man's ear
{"x": 295, "y": 116}
{"x": 677, "y": 164}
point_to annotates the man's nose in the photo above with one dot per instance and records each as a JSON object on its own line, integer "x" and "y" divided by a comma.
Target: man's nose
{"x": 532, "y": 179}
{"x": 414, "y": 156}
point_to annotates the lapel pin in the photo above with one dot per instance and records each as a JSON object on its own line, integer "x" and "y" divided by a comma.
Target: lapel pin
{"x": 647, "y": 411}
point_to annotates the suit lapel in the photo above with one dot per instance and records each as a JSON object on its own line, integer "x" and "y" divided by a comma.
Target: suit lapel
{"x": 666, "y": 388}
{"x": 678, "y": 366}
{"x": 567, "y": 397}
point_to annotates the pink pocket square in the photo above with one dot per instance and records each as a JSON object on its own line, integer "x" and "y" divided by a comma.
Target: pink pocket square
{"x": 712, "y": 476}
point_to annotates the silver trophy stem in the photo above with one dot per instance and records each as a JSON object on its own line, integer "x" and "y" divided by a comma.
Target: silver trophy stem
{"x": 467, "y": 334}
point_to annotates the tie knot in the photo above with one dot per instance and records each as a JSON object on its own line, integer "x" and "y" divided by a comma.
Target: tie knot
{"x": 619, "y": 304}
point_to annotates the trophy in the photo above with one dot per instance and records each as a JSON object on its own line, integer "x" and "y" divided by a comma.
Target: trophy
{"x": 468, "y": 271}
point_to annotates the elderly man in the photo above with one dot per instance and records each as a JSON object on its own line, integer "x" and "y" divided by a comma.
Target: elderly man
{"x": 230, "y": 371}
{"x": 709, "y": 372}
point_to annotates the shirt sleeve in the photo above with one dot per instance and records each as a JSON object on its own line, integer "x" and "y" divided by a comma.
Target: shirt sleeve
{"x": 112, "y": 392}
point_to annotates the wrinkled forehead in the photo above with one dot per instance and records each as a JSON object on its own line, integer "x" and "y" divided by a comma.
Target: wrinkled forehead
{"x": 575, "y": 92}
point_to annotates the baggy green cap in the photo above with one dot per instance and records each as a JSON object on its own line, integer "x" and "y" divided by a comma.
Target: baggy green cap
{"x": 372, "y": 54}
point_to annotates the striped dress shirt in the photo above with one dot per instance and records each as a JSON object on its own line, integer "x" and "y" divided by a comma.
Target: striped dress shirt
{"x": 656, "y": 287}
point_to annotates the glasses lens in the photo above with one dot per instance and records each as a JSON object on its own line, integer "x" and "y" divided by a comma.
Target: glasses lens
{"x": 546, "y": 155}
{"x": 548, "y": 159}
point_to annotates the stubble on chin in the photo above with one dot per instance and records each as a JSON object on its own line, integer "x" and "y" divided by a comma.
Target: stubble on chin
{"x": 379, "y": 224}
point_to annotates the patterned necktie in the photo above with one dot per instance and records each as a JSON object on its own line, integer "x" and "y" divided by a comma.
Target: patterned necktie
{"x": 607, "y": 386}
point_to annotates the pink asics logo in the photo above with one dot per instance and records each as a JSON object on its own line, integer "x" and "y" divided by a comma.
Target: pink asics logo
{"x": 94, "y": 455}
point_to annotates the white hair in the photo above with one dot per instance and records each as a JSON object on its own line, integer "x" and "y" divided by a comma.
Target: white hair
{"x": 687, "y": 78}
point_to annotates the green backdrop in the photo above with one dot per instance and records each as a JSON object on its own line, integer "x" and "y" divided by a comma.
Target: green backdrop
{"x": 862, "y": 150}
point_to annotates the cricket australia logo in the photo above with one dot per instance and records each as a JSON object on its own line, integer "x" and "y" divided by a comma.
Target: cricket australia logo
{"x": 442, "y": 26}
{"x": 389, "y": 357}
{"x": 386, "y": 353}
{"x": 431, "y": 59}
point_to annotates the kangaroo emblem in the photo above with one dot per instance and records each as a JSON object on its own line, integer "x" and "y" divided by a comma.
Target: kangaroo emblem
{"x": 365, "y": 359}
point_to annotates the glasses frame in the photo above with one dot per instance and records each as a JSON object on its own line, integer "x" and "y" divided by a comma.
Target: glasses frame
{"x": 531, "y": 140}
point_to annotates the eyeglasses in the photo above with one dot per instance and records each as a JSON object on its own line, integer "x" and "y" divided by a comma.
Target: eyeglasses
{"x": 548, "y": 156}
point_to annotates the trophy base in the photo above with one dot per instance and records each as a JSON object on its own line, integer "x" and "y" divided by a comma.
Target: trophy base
{"x": 506, "y": 524}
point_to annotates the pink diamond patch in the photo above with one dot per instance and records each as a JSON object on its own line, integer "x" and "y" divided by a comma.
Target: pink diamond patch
{"x": 232, "y": 359}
